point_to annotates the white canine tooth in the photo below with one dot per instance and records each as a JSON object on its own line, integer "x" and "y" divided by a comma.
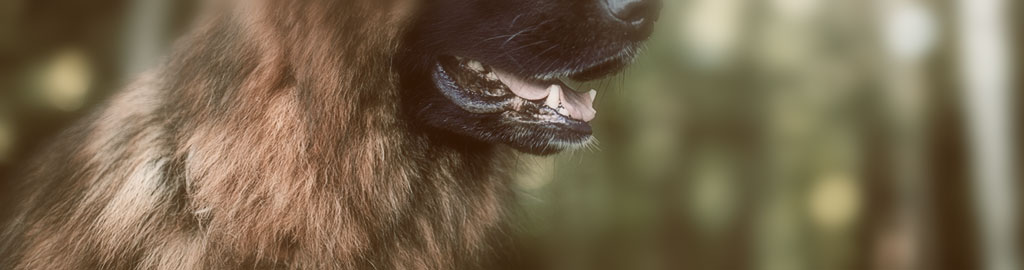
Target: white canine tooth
{"x": 554, "y": 96}
{"x": 593, "y": 94}
{"x": 476, "y": 66}
{"x": 563, "y": 111}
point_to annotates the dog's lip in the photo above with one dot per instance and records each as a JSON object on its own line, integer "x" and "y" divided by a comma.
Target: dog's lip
{"x": 601, "y": 69}
{"x": 608, "y": 66}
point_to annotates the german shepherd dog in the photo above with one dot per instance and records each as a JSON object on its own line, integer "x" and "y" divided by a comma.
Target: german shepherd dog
{"x": 323, "y": 134}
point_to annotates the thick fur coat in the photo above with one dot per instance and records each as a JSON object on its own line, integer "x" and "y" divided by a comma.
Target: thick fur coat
{"x": 272, "y": 138}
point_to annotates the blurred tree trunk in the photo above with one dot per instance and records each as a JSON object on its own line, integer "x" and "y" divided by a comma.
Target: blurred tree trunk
{"x": 984, "y": 51}
{"x": 954, "y": 234}
{"x": 896, "y": 227}
{"x": 1017, "y": 26}
{"x": 1016, "y": 16}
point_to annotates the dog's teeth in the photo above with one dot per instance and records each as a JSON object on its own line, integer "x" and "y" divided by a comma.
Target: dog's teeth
{"x": 476, "y": 66}
{"x": 554, "y": 96}
{"x": 593, "y": 94}
{"x": 563, "y": 111}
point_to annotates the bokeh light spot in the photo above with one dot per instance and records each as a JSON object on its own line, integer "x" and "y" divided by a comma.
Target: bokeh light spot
{"x": 911, "y": 31}
{"x": 835, "y": 201}
{"x": 65, "y": 80}
{"x": 711, "y": 30}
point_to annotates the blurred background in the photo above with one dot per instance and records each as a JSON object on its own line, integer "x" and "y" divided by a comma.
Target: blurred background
{"x": 754, "y": 134}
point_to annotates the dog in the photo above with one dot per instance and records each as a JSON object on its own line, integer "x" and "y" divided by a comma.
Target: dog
{"x": 323, "y": 134}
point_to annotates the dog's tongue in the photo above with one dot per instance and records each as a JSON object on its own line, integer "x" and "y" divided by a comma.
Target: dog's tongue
{"x": 579, "y": 106}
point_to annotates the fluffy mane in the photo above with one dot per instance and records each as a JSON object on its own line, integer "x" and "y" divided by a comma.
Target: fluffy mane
{"x": 272, "y": 138}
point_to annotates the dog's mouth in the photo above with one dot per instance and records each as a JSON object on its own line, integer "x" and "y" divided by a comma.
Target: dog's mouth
{"x": 480, "y": 88}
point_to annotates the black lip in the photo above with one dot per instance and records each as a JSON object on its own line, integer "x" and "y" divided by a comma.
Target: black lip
{"x": 601, "y": 70}
{"x": 471, "y": 100}
{"x": 556, "y": 123}
{"x": 580, "y": 127}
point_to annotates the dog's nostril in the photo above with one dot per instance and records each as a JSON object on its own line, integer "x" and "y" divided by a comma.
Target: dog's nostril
{"x": 634, "y": 12}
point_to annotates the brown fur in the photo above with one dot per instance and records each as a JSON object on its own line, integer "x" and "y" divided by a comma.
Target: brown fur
{"x": 273, "y": 138}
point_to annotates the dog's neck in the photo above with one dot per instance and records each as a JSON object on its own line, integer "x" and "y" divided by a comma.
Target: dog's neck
{"x": 303, "y": 153}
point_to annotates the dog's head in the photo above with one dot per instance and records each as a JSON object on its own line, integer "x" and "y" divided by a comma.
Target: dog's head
{"x": 492, "y": 70}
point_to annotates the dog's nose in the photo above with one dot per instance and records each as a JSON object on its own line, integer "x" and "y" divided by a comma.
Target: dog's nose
{"x": 635, "y": 13}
